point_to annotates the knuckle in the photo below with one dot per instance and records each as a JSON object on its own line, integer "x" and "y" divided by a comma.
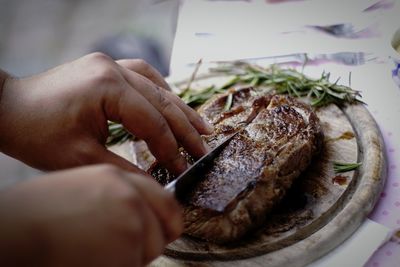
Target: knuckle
{"x": 159, "y": 135}
{"x": 133, "y": 198}
{"x": 129, "y": 64}
{"x": 108, "y": 169}
{"x": 105, "y": 74}
{"x": 195, "y": 118}
{"x": 163, "y": 128}
{"x": 126, "y": 195}
{"x": 192, "y": 115}
{"x": 176, "y": 99}
{"x": 142, "y": 64}
{"x": 190, "y": 136}
{"x": 86, "y": 154}
{"x": 102, "y": 70}
{"x": 137, "y": 229}
{"x": 99, "y": 56}
{"x": 165, "y": 104}
{"x": 162, "y": 141}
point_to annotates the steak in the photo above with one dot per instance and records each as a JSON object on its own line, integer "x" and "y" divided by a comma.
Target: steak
{"x": 278, "y": 138}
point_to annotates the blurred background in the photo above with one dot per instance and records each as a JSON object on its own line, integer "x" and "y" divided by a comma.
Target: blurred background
{"x": 39, "y": 34}
{"x": 36, "y": 35}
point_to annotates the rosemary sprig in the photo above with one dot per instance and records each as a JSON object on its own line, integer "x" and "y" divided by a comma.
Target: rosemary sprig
{"x": 340, "y": 167}
{"x": 228, "y": 103}
{"x": 117, "y": 134}
{"x": 319, "y": 91}
{"x": 193, "y": 77}
{"x": 196, "y": 98}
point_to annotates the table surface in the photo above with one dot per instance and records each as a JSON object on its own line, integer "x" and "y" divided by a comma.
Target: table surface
{"x": 242, "y": 30}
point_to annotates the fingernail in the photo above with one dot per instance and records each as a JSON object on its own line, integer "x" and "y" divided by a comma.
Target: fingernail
{"x": 181, "y": 165}
{"x": 206, "y": 147}
{"x": 208, "y": 126}
{"x": 187, "y": 165}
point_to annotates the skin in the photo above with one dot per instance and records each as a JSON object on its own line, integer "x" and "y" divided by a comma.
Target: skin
{"x": 90, "y": 216}
{"x": 101, "y": 215}
{"x": 58, "y": 119}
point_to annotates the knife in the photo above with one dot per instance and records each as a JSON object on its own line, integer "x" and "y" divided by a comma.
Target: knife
{"x": 181, "y": 185}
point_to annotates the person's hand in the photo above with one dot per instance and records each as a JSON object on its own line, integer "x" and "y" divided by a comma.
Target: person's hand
{"x": 58, "y": 119}
{"x": 90, "y": 216}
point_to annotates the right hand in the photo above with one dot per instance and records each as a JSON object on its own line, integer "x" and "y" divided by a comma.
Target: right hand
{"x": 91, "y": 216}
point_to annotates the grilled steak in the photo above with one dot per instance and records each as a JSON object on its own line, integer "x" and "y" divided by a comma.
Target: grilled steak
{"x": 280, "y": 135}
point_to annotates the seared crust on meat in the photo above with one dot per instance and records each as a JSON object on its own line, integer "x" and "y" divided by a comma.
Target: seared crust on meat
{"x": 254, "y": 171}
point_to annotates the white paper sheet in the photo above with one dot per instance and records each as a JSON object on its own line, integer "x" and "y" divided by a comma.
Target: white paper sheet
{"x": 240, "y": 30}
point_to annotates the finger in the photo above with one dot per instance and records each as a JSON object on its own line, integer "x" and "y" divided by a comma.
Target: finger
{"x": 201, "y": 125}
{"x": 163, "y": 204}
{"x": 145, "y": 69}
{"x": 99, "y": 154}
{"x": 141, "y": 118}
{"x": 180, "y": 125}
{"x": 154, "y": 237}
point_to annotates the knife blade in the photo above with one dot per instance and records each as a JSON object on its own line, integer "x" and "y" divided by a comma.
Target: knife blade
{"x": 181, "y": 185}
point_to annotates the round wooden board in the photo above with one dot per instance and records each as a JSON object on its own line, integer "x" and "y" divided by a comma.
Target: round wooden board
{"x": 319, "y": 213}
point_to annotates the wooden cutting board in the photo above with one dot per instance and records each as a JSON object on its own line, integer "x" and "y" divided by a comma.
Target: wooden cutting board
{"x": 321, "y": 210}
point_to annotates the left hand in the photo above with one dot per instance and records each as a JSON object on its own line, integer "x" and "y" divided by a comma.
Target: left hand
{"x": 58, "y": 119}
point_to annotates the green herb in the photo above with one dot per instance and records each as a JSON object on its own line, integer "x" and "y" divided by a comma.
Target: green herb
{"x": 117, "y": 134}
{"x": 193, "y": 77}
{"x": 228, "y": 103}
{"x": 320, "y": 92}
{"x": 196, "y": 98}
{"x": 231, "y": 82}
{"x": 339, "y": 167}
